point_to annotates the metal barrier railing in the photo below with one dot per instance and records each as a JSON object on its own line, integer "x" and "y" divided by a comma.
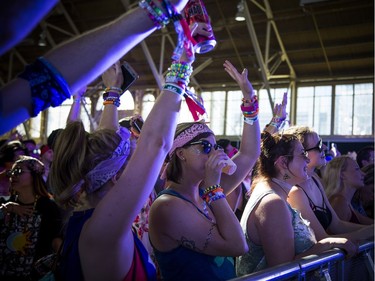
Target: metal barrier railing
{"x": 329, "y": 266}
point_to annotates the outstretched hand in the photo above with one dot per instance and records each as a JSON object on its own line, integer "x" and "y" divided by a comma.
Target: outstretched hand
{"x": 280, "y": 109}
{"x": 241, "y": 79}
{"x": 112, "y": 77}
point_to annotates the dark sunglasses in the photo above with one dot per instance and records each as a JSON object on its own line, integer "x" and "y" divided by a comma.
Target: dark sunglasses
{"x": 318, "y": 147}
{"x": 16, "y": 172}
{"x": 206, "y": 146}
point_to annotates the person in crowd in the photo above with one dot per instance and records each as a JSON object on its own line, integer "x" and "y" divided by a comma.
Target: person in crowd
{"x": 193, "y": 230}
{"x": 309, "y": 196}
{"x": 100, "y": 180}
{"x": 75, "y": 63}
{"x": 9, "y": 153}
{"x": 31, "y": 148}
{"x": 239, "y": 197}
{"x": 30, "y": 224}
{"x": 363, "y": 198}
{"x": 227, "y": 146}
{"x": 342, "y": 178}
{"x": 367, "y": 195}
{"x": 365, "y": 156}
{"x": 46, "y": 156}
{"x": 275, "y": 232}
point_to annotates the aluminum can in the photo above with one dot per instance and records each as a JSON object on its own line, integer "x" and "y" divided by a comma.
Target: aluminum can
{"x": 195, "y": 11}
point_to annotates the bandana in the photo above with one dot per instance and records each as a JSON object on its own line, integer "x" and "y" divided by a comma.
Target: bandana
{"x": 32, "y": 163}
{"x": 188, "y": 135}
{"x": 106, "y": 169}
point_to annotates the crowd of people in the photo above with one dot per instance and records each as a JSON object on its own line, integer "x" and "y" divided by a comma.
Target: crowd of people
{"x": 158, "y": 202}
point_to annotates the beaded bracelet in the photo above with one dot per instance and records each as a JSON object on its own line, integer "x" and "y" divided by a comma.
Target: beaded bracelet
{"x": 117, "y": 104}
{"x": 111, "y": 94}
{"x": 114, "y": 90}
{"x": 251, "y": 111}
{"x": 250, "y": 101}
{"x": 179, "y": 72}
{"x": 112, "y": 100}
{"x": 210, "y": 188}
{"x": 213, "y": 196}
{"x": 154, "y": 13}
{"x": 276, "y": 121}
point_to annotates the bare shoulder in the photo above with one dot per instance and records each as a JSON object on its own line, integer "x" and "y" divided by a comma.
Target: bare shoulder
{"x": 271, "y": 207}
{"x": 337, "y": 200}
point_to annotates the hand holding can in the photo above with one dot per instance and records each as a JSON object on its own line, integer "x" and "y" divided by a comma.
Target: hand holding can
{"x": 195, "y": 12}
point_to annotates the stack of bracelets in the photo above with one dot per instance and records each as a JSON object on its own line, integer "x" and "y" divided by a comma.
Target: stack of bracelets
{"x": 276, "y": 121}
{"x": 213, "y": 193}
{"x": 112, "y": 96}
{"x": 251, "y": 110}
{"x": 178, "y": 77}
{"x": 155, "y": 13}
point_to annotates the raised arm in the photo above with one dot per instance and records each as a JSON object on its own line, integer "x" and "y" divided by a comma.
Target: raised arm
{"x": 249, "y": 150}
{"x": 279, "y": 115}
{"x": 80, "y": 61}
{"x": 75, "y": 109}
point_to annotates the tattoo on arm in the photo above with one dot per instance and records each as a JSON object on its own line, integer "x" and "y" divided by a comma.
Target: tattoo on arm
{"x": 190, "y": 244}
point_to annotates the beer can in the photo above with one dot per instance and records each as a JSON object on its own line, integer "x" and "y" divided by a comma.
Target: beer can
{"x": 195, "y": 11}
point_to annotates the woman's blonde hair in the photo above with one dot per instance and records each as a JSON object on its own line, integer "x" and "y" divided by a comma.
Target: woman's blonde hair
{"x": 332, "y": 174}
{"x": 303, "y": 133}
{"x": 77, "y": 152}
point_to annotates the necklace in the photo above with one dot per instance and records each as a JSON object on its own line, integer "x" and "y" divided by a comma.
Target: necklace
{"x": 283, "y": 185}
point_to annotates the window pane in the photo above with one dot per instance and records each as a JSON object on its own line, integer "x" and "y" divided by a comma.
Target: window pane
{"x": 57, "y": 116}
{"x": 234, "y": 118}
{"x": 214, "y": 103}
{"x": 344, "y": 110}
{"x": 322, "y": 110}
{"x": 148, "y": 102}
{"x": 305, "y": 109}
{"x": 363, "y": 109}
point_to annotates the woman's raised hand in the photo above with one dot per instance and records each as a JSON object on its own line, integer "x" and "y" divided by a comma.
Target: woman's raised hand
{"x": 241, "y": 79}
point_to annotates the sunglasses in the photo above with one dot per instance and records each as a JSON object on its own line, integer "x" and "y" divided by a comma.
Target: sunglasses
{"x": 16, "y": 172}
{"x": 206, "y": 146}
{"x": 318, "y": 147}
{"x": 303, "y": 154}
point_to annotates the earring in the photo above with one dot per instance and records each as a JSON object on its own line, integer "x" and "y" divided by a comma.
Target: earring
{"x": 183, "y": 158}
{"x": 285, "y": 177}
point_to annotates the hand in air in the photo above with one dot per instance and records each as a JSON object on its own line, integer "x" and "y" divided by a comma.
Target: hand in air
{"x": 279, "y": 110}
{"x": 241, "y": 78}
{"x": 112, "y": 77}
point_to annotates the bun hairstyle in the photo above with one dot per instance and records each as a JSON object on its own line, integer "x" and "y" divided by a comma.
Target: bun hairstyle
{"x": 272, "y": 147}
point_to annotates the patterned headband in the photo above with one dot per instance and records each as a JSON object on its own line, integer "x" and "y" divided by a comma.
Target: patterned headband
{"x": 32, "y": 163}
{"x": 106, "y": 169}
{"x": 188, "y": 135}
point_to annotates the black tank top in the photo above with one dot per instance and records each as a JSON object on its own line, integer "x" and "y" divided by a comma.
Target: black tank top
{"x": 323, "y": 214}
